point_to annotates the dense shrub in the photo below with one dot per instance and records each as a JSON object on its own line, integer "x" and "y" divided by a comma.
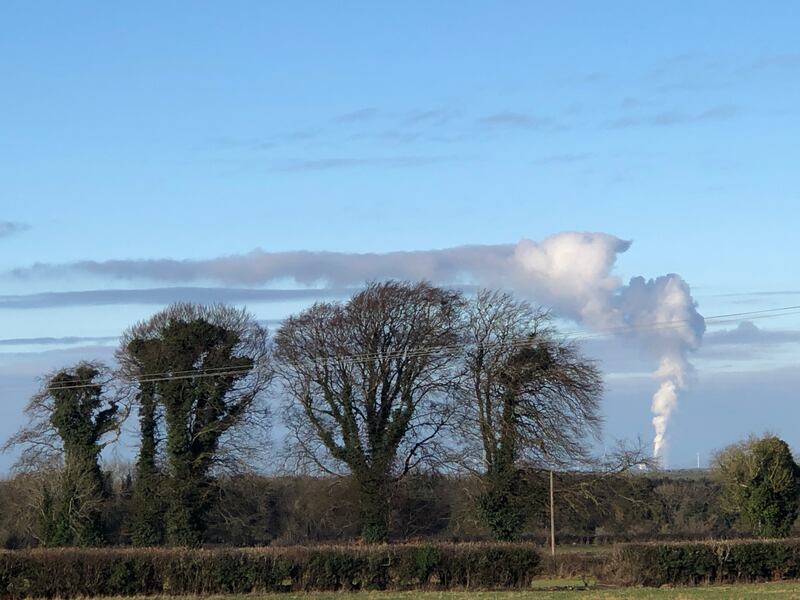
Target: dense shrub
{"x": 692, "y": 563}
{"x": 571, "y": 565}
{"x": 68, "y": 573}
{"x": 259, "y": 510}
{"x": 761, "y": 484}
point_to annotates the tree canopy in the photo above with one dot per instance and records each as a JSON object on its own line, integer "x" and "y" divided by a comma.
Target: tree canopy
{"x": 530, "y": 400}
{"x": 369, "y": 383}
{"x": 761, "y": 484}
{"x": 205, "y": 368}
{"x": 70, "y": 422}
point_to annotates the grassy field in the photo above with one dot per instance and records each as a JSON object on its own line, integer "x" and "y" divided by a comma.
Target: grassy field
{"x": 738, "y": 592}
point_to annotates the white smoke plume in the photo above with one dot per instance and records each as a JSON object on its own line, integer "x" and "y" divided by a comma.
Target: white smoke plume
{"x": 672, "y": 372}
{"x": 571, "y": 272}
{"x": 666, "y": 320}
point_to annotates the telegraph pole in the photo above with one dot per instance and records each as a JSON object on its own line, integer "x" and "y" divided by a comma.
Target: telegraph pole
{"x": 552, "y": 518}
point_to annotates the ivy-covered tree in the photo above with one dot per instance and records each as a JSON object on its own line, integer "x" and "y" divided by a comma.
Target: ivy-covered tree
{"x": 140, "y": 360}
{"x": 368, "y": 384}
{"x": 204, "y": 368}
{"x": 529, "y": 400}
{"x": 70, "y": 420}
{"x": 761, "y": 484}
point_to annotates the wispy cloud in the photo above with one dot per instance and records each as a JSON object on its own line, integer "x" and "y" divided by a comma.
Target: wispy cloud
{"x": 328, "y": 164}
{"x": 335, "y": 269}
{"x": 430, "y": 116}
{"x": 561, "y": 159}
{"x": 761, "y": 293}
{"x": 670, "y": 118}
{"x": 9, "y": 228}
{"x": 716, "y": 113}
{"x": 270, "y": 142}
{"x": 163, "y": 296}
{"x": 699, "y": 84}
{"x": 689, "y": 73}
{"x": 517, "y": 120}
{"x": 357, "y": 116}
{"x": 35, "y": 364}
{"x": 740, "y": 345}
{"x": 435, "y": 124}
{"x": 748, "y": 332}
{"x": 670, "y": 65}
{"x": 301, "y": 135}
{"x": 595, "y": 77}
{"x": 56, "y": 341}
{"x": 787, "y": 60}
{"x": 631, "y": 102}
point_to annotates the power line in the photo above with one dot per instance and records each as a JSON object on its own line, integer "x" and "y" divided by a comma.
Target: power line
{"x": 574, "y": 334}
{"x": 427, "y": 351}
{"x": 198, "y": 375}
{"x": 365, "y": 357}
{"x": 756, "y": 312}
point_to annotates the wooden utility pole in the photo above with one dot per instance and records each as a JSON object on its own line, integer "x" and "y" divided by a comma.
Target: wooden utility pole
{"x": 552, "y": 518}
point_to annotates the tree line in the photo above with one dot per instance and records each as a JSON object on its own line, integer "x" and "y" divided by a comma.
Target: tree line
{"x": 255, "y": 509}
{"x": 400, "y": 380}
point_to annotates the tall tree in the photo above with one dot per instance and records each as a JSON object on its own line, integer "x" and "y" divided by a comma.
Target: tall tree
{"x": 530, "y": 399}
{"x": 205, "y": 368}
{"x": 70, "y": 420}
{"x": 761, "y": 484}
{"x": 140, "y": 361}
{"x": 368, "y": 382}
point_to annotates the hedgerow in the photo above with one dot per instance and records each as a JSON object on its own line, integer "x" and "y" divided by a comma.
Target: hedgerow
{"x": 69, "y": 573}
{"x": 692, "y": 563}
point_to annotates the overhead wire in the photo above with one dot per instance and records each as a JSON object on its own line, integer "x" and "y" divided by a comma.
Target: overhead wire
{"x": 430, "y": 350}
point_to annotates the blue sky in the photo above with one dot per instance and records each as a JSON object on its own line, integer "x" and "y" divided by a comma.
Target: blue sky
{"x": 197, "y": 130}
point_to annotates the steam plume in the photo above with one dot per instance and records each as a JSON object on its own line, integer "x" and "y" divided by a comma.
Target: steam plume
{"x": 671, "y": 371}
{"x": 571, "y": 272}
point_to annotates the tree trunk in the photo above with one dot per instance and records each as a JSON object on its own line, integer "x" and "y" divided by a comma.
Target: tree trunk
{"x": 375, "y": 508}
{"x": 147, "y": 526}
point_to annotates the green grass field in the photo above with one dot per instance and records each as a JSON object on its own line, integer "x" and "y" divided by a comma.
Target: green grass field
{"x": 776, "y": 591}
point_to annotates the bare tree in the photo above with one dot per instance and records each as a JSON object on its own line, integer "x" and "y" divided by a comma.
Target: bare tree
{"x": 592, "y": 483}
{"x": 200, "y": 373}
{"x": 369, "y": 382}
{"x": 530, "y": 399}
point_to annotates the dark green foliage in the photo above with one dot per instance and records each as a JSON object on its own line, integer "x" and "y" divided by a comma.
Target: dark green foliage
{"x": 761, "y": 484}
{"x": 374, "y": 508}
{"x": 71, "y": 573}
{"x": 71, "y": 510}
{"x": 249, "y": 511}
{"x": 422, "y": 507}
{"x": 526, "y": 405}
{"x": 71, "y": 504}
{"x": 504, "y": 505}
{"x": 256, "y": 510}
{"x": 692, "y": 563}
{"x": 147, "y": 506}
{"x": 199, "y": 371}
{"x": 195, "y": 413}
